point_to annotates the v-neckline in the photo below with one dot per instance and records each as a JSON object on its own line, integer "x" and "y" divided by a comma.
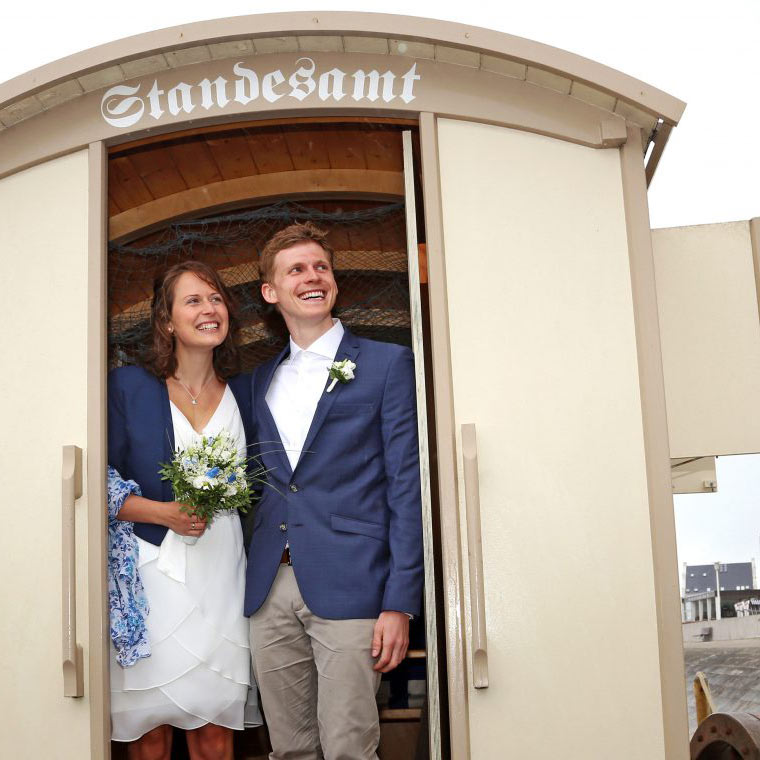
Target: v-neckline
{"x": 210, "y": 419}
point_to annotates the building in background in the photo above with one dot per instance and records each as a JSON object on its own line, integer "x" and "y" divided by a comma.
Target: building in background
{"x": 734, "y": 576}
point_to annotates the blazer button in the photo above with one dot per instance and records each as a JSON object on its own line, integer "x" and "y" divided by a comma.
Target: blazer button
{"x": 283, "y": 527}
{"x": 293, "y": 487}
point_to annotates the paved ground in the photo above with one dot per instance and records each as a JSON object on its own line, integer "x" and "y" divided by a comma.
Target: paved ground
{"x": 732, "y": 669}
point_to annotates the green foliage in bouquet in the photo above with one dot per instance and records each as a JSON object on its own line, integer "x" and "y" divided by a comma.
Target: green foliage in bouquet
{"x": 210, "y": 476}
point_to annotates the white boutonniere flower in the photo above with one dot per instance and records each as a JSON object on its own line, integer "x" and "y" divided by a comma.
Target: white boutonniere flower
{"x": 341, "y": 372}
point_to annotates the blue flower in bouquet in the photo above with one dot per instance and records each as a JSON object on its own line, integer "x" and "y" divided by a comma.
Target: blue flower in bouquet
{"x": 210, "y": 476}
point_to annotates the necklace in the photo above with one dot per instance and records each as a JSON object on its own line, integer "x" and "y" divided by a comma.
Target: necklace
{"x": 194, "y": 399}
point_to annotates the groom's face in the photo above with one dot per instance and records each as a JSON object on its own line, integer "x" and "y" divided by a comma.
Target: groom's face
{"x": 302, "y": 283}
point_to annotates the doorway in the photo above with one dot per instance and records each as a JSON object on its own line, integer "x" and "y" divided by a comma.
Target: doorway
{"x": 217, "y": 196}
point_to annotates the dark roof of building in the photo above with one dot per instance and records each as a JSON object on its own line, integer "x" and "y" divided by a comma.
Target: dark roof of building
{"x": 733, "y": 576}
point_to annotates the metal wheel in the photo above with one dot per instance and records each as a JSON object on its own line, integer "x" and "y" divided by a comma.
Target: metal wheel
{"x": 724, "y": 736}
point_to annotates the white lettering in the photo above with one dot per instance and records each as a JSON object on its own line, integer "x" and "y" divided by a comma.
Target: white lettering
{"x": 409, "y": 79}
{"x": 123, "y": 107}
{"x": 185, "y": 101}
{"x": 110, "y": 107}
{"x": 155, "y": 106}
{"x": 388, "y": 78}
{"x": 336, "y": 91}
{"x": 269, "y": 82}
{"x": 219, "y": 88}
{"x": 374, "y": 85}
{"x": 306, "y": 80}
{"x": 244, "y": 95}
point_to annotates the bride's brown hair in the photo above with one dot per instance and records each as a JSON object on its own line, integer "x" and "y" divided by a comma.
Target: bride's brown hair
{"x": 159, "y": 357}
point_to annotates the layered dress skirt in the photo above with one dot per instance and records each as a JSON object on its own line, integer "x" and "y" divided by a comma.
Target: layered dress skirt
{"x": 199, "y": 670}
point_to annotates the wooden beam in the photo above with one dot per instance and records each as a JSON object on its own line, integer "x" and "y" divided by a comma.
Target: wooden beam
{"x": 252, "y": 124}
{"x": 217, "y": 196}
{"x": 702, "y": 697}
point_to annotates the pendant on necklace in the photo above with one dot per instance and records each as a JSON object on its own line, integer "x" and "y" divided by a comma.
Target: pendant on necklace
{"x": 195, "y": 403}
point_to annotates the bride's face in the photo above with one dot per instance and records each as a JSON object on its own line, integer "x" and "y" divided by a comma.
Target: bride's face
{"x": 199, "y": 317}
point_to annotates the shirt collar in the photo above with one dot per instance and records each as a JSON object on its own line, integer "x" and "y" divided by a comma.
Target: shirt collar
{"x": 325, "y": 345}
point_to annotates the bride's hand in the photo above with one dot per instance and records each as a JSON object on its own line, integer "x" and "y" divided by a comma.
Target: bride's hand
{"x": 184, "y": 523}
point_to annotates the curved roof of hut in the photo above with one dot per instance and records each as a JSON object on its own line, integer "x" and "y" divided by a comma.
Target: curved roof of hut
{"x": 208, "y": 38}
{"x": 558, "y": 71}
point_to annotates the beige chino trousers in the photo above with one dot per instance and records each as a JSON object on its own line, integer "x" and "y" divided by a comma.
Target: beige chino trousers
{"x": 316, "y": 679}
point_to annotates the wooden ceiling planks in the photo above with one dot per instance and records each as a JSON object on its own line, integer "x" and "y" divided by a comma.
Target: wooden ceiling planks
{"x": 232, "y": 155}
{"x": 345, "y": 148}
{"x": 159, "y": 177}
{"x": 383, "y": 150}
{"x": 146, "y": 172}
{"x": 308, "y": 148}
{"x": 270, "y": 151}
{"x": 158, "y": 171}
{"x": 125, "y": 184}
{"x": 195, "y": 162}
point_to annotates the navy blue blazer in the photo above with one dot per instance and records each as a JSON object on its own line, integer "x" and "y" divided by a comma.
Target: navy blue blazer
{"x": 351, "y": 509}
{"x": 141, "y": 433}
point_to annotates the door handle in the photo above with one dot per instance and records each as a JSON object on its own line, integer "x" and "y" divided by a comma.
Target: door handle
{"x": 71, "y": 490}
{"x": 475, "y": 552}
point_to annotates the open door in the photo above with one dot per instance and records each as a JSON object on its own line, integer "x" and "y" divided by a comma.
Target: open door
{"x": 561, "y": 648}
{"x": 432, "y": 707}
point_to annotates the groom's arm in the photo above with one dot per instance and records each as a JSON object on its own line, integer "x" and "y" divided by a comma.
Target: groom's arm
{"x": 403, "y": 589}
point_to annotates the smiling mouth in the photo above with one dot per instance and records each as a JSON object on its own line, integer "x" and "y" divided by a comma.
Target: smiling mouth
{"x": 205, "y": 326}
{"x": 313, "y": 295}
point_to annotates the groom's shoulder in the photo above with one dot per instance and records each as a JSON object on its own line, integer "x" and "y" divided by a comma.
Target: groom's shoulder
{"x": 382, "y": 350}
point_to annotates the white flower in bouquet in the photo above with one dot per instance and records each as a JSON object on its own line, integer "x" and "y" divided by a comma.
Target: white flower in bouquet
{"x": 210, "y": 476}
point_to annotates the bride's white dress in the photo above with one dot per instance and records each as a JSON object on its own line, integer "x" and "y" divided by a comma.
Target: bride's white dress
{"x": 199, "y": 668}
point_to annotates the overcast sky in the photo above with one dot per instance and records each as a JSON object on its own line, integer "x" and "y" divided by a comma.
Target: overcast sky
{"x": 705, "y": 53}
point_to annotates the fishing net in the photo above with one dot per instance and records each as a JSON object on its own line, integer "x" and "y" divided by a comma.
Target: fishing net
{"x": 369, "y": 239}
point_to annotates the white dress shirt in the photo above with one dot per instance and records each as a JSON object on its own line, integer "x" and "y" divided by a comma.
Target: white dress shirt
{"x": 296, "y": 387}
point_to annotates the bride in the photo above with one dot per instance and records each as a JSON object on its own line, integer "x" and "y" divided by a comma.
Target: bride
{"x": 181, "y": 655}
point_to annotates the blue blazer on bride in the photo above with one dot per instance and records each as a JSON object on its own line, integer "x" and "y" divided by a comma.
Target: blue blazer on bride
{"x": 351, "y": 509}
{"x": 141, "y": 432}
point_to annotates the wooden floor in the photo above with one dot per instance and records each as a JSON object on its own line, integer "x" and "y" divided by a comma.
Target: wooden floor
{"x": 399, "y": 740}
{"x": 733, "y": 674}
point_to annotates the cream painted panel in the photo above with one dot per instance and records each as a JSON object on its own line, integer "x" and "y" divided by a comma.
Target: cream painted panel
{"x": 710, "y": 333}
{"x": 43, "y": 268}
{"x": 544, "y": 363}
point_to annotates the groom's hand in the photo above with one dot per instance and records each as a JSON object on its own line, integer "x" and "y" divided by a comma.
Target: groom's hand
{"x": 390, "y": 640}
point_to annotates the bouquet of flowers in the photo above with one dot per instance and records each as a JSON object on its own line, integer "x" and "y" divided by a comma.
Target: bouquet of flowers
{"x": 210, "y": 476}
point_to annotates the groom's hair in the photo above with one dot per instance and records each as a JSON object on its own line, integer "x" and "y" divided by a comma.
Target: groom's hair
{"x": 290, "y": 236}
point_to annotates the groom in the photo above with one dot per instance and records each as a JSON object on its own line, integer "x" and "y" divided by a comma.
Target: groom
{"x": 335, "y": 564}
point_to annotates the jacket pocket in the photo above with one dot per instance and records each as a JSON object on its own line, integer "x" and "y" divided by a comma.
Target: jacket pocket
{"x": 364, "y": 528}
{"x": 350, "y": 410}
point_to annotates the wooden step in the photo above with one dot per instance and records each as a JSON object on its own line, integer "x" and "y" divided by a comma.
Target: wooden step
{"x": 405, "y": 714}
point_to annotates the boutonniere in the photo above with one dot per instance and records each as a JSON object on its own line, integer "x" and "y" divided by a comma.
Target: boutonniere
{"x": 341, "y": 372}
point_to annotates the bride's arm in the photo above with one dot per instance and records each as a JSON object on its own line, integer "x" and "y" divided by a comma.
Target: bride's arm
{"x": 167, "y": 513}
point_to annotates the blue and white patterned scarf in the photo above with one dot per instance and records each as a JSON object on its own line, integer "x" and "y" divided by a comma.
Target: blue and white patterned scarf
{"x": 126, "y": 595}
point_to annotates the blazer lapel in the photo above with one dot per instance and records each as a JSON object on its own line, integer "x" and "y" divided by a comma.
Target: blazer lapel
{"x": 167, "y": 438}
{"x": 348, "y": 349}
{"x": 272, "y": 443}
